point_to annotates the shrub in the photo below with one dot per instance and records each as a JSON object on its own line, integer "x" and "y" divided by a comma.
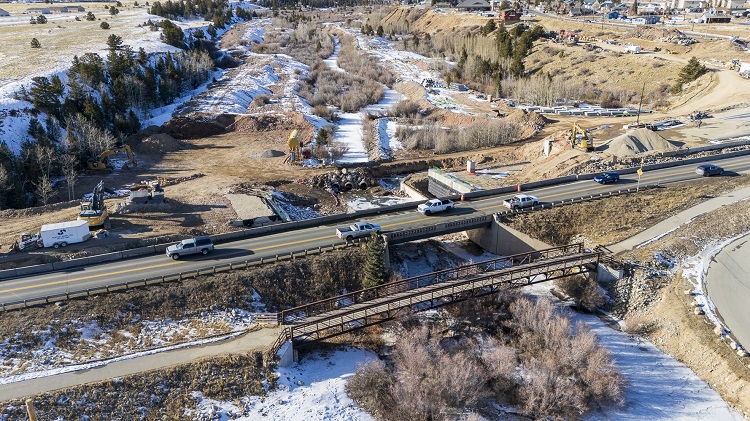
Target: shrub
{"x": 584, "y": 291}
{"x": 35, "y": 43}
{"x": 371, "y": 387}
{"x": 537, "y": 362}
{"x": 337, "y": 151}
{"x": 324, "y": 112}
{"x": 406, "y": 108}
{"x": 104, "y": 25}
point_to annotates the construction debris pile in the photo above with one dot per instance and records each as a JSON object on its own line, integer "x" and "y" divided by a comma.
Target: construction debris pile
{"x": 652, "y": 33}
{"x": 343, "y": 180}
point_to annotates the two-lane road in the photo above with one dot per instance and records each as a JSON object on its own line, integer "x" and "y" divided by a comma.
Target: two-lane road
{"x": 137, "y": 269}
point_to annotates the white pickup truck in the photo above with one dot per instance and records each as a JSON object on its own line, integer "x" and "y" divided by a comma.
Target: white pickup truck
{"x": 520, "y": 201}
{"x": 434, "y": 206}
{"x": 356, "y": 230}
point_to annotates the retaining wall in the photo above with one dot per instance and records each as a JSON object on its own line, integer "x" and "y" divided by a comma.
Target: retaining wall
{"x": 503, "y": 240}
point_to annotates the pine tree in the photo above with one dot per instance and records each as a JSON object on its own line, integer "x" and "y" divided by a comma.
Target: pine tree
{"x": 374, "y": 262}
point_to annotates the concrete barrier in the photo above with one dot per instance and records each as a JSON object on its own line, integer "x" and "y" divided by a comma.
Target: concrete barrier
{"x": 8, "y": 273}
{"x": 99, "y": 258}
{"x": 31, "y": 270}
{"x": 140, "y": 251}
{"x": 550, "y": 182}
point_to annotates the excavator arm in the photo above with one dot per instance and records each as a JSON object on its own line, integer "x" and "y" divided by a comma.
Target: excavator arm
{"x": 102, "y": 162}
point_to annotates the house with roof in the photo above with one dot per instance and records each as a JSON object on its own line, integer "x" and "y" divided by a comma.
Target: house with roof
{"x": 508, "y": 16}
{"x": 4, "y": 13}
{"x": 473, "y": 5}
{"x": 38, "y": 10}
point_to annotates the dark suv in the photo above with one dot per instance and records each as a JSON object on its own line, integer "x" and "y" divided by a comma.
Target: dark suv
{"x": 607, "y": 177}
{"x": 709, "y": 169}
{"x": 195, "y": 245}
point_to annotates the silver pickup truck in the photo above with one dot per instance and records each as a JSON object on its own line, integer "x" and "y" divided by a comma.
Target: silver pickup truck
{"x": 356, "y": 230}
{"x": 195, "y": 245}
{"x": 521, "y": 201}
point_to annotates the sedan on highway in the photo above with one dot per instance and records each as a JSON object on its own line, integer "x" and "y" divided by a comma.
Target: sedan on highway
{"x": 607, "y": 177}
{"x": 709, "y": 169}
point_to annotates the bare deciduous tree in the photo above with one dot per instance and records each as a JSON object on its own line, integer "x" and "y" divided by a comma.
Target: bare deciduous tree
{"x": 87, "y": 139}
{"x": 69, "y": 166}
{"x": 44, "y": 188}
{"x": 5, "y": 185}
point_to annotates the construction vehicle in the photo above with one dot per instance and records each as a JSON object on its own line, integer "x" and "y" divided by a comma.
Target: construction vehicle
{"x": 579, "y": 138}
{"x": 102, "y": 162}
{"x": 146, "y": 193}
{"x": 95, "y": 211}
{"x": 28, "y": 241}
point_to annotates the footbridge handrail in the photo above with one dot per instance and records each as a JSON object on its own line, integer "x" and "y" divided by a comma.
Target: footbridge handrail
{"x": 348, "y": 299}
{"x": 430, "y": 296}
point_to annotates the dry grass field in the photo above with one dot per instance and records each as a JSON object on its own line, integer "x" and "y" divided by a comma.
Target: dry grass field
{"x": 63, "y": 36}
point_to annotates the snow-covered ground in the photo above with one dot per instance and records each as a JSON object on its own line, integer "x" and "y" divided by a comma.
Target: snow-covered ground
{"x": 658, "y": 386}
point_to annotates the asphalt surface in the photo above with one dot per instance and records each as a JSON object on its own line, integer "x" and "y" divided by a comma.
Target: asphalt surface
{"x": 728, "y": 286}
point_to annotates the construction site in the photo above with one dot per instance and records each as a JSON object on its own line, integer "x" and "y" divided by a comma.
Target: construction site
{"x": 217, "y": 174}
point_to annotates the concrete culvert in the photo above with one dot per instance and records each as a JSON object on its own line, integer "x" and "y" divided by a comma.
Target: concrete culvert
{"x": 348, "y": 186}
{"x": 362, "y": 185}
{"x": 335, "y": 187}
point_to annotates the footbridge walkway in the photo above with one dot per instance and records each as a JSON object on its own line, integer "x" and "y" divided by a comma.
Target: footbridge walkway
{"x": 367, "y": 307}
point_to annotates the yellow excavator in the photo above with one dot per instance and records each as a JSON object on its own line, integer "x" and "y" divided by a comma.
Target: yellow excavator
{"x": 579, "y": 139}
{"x": 102, "y": 162}
{"x": 95, "y": 211}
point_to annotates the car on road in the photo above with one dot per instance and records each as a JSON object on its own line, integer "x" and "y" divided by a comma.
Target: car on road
{"x": 435, "y": 206}
{"x": 707, "y": 170}
{"x": 357, "y": 230}
{"x": 202, "y": 245}
{"x": 521, "y": 201}
{"x": 607, "y": 177}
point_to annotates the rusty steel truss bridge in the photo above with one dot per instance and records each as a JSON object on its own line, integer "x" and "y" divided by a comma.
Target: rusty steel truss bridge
{"x": 356, "y": 310}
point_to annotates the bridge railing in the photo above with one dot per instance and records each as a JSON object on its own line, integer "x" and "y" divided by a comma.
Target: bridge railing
{"x": 284, "y": 336}
{"x": 362, "y": 316}
{"x": 120, "y": 286}
{"x": 367, "y": 294}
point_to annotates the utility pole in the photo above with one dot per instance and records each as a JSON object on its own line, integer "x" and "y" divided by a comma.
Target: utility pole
{"x": 638, "y": 119}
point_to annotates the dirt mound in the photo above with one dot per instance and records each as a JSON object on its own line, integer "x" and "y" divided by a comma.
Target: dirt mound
{"x": 270, "y": 122}
{"x": 159, "y": 143}
{"x": 271, "y": 153}
{"x": 638, "y": 141}
{"x": 527, "y": 118}
{"x": 187, "y": 128}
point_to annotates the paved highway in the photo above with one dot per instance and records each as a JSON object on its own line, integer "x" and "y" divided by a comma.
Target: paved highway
{"x": 728, "y": 285}
{"x": 111, "y": 273}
